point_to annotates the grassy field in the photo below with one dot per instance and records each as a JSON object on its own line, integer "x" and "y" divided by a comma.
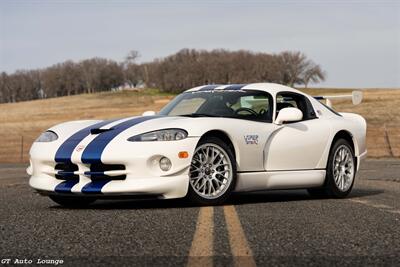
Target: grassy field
{"x": 21, "y": 123}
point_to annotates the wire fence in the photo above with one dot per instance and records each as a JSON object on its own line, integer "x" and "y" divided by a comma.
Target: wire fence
{"x": 382, "y": 141}
{"x": 15, "y": 148}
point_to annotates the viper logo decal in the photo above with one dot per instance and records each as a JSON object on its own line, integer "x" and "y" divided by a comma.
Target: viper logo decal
{"x": 79, "y": 148}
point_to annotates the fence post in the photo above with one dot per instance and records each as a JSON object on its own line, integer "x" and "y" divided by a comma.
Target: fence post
{"x": 388, "y": 140}
{"x": 22, "y": 148}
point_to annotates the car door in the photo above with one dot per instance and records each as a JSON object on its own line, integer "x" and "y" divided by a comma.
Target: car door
{"x": 296, "y": 145}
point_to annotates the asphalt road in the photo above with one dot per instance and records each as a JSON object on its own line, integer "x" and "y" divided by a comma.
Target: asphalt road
{"x": 263, "y": 228}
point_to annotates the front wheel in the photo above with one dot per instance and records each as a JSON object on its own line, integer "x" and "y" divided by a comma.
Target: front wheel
{"x": 340, "y": 172}
{"x": 73, "y": 202}
{"x": 212, "y": 172}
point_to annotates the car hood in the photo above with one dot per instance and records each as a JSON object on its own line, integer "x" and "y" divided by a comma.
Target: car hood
{"x": 134, "y": 125}
{"x": 127, "y": 127}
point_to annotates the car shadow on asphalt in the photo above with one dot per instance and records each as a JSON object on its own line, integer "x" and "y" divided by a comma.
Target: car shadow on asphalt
{"x": 291, "y": 195}
{"x": 270, "y": 196}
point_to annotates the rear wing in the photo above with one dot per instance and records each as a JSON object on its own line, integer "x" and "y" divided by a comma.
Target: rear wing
{"x": 356, "y": 97}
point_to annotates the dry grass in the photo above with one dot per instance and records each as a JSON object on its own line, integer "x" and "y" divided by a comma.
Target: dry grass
{"x": 381, "y": 108}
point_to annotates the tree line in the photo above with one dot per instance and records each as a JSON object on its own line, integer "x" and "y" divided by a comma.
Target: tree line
{"x": 175, "y": 73}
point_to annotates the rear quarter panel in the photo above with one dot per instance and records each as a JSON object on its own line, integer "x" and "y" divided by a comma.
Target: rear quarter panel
{"x": 355, "y": 125}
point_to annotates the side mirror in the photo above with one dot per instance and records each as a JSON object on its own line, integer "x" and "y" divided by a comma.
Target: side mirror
{"x": 149, "y": 113}
{"x": 288, "y": 115}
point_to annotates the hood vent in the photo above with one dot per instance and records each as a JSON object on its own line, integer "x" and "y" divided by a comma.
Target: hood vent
{"x": 99, "y": 130}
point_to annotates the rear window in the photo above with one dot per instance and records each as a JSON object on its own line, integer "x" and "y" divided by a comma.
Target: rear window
{"x": 330, "y": 109}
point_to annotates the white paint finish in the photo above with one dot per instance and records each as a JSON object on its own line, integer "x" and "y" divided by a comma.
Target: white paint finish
{"x": 44, "y": 182}
{"x": 251, "y": 181}
{"x": 295, "y": 179}
{"x": 169, "y": 187}
{"x": 297, "y": 146}
{"x": 83, "y": 180}
{"x": 279, "y": 180}
{"x": 289, "y": 115}
{"x": 149, "y": 113}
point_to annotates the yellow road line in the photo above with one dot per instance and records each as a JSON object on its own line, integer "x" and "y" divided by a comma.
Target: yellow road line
{"x": 201, "y": 252}
{"x": 237, "y": 240}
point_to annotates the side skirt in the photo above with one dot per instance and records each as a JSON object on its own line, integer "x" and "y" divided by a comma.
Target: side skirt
{"x": 249, "y": 181}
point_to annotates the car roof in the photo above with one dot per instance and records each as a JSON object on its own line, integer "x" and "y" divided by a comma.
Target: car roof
{"x": 271, "y": 88}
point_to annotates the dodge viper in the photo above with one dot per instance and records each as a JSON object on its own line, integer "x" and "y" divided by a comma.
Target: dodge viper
{"x": 207, "y": 143}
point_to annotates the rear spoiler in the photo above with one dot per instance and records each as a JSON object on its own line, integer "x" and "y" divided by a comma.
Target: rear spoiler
{"x": 356, "y": 97}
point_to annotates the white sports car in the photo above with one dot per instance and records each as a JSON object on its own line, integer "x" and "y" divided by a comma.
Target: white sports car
{"x": 208, "y": 142}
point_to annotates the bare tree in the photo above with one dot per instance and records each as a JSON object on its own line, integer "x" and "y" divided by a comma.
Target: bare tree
{"x": 313, "y": 74}
{"x": 174, "y": 73}
{"x": 132, "y": 56}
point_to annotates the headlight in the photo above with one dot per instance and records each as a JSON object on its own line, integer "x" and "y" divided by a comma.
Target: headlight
{"x": 160, "y": 135}
{"x": 48, "y": 136}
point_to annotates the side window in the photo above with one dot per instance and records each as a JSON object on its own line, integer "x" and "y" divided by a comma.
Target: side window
{"x": 256, "y": 103}
{"x": 285, "y": 100}
{"x": 254, "y": 107}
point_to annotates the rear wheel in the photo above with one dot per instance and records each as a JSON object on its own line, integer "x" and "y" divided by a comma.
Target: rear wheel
{"x": 73, "y": 202}
{"x": 340, "y": 172}
{"x": 212, "y": 172}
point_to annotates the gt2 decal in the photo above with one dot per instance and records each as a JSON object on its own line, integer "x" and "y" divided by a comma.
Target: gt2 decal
{"x": 251, "y": 139}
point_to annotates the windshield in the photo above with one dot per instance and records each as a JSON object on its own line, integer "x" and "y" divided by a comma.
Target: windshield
{"x": 249, "y": 105}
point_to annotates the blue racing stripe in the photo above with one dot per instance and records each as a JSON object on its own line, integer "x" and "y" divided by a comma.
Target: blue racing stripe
{"x": 93, "y": 151}
{"x": 64, "y": 152}
{"x": 94, "y": 187}
{"x": 235, "y": 87}
{"x": 66, "y": 186}
{"x": 209, "y": 87}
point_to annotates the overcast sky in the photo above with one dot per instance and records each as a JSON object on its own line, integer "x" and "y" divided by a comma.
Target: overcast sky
{"x": 356, "y": 42}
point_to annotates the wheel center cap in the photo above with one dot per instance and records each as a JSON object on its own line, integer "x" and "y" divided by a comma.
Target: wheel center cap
{"x": 207, "y": 171}
{"x": 342, "y": 169}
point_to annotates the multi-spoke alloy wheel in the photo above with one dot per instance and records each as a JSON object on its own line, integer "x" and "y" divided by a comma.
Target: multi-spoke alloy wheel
{"x": 343, "y": 168}
{"x": 212, "y": 172}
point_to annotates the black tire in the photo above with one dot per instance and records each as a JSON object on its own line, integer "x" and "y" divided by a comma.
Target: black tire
{"x": 73, "y": 201}
{"x": 330, "y": 189}
{"x": 195, "y": 197}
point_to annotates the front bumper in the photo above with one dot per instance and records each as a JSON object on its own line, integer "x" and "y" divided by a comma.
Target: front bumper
{"x": 143, "y": 175}
{"x": 165, "y": 187}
